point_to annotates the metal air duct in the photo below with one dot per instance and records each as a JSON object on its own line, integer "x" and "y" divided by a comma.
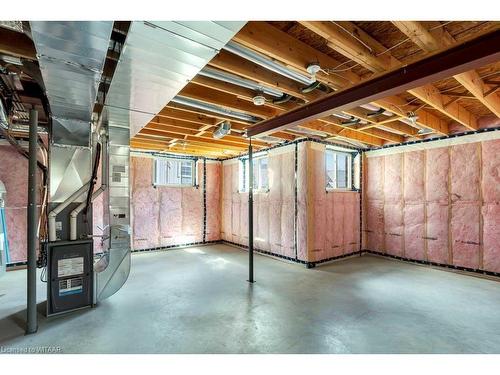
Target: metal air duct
{"x": 238, "y": 81}
{"x": 267, "y": 63}
{"x": 214, "y": 109}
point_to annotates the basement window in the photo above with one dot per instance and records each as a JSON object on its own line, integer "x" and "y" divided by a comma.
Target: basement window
{"x": 338, "y": 170}
{"x": 174, "y": 172}
{"x": 260, "y": 173}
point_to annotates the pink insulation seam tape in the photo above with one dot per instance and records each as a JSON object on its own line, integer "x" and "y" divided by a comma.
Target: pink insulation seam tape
{"x": 213, "y": 191}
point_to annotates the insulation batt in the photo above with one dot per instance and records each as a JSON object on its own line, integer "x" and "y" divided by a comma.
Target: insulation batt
{"x": 168, "y": 215}
{"x": 14, "y": 174}
{"x": 449, "y": 213}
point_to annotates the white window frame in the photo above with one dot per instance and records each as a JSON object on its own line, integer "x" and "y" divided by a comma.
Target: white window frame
{"x": 350, "y": 160}
{"x": 179, "y": 171}
{"x": 244, "y": 172}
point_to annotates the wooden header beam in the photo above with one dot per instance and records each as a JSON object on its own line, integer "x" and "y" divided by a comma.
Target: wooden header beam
{"x": 469, "y": 55}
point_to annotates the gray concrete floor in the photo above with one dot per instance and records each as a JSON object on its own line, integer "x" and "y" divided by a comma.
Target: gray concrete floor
{"x": 196, "y": 300}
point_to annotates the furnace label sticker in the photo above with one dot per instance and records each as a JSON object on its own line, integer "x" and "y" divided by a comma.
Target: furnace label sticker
{"x": 69, "y": 267}
{"x": 71, "y": 286}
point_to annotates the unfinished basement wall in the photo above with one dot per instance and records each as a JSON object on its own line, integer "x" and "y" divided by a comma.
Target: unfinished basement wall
{"x": 14, "y": 175}
{"x": 167, "y": 216}
{"x": 333, "y": 215}
{"x": 327, "y": 223}
{"x": 439, "y": 203}
{"x": 274, "y": 211}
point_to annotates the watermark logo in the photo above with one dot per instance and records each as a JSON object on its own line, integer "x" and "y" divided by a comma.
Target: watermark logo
{"x": 30, "y": 349}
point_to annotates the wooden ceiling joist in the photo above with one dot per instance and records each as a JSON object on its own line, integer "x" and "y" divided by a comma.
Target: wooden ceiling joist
{"x": 432, "y": 41}
{"x": 347, "y": 46}
{"x": 430, "y": 95}
{"x": 475, "y": 85}
{"x": 341, "y": 40}
{"x": 268, "y": 40}
{"x": 197, "y": 118}
{"x": 216, "y": 97}
{"x": 478, "y": 52}
{"x": 192, "y": 142}
{"x": 331, "y": 128}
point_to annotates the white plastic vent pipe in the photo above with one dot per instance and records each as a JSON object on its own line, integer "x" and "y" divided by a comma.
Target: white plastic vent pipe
{"x": 53, "y": 214}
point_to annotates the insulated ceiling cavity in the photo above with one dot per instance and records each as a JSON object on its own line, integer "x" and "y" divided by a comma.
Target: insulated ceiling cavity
{"x": 158, "y": 59}
{"x": 71, "y": 57}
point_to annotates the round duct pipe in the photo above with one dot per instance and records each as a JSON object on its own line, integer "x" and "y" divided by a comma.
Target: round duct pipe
{"x": 235, "y": 80}
{"x": 214, "y": 109}
{"x": 267, "y": 63}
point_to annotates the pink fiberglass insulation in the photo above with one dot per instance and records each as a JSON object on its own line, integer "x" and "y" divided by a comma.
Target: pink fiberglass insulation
{"x": 287, "y": 182}
{"x": 437, "y": 233}
{"x": 213, "y": 186}
{"x": 414, "y": 231}
{"x": 169, "y": 215}
{"x": 170, "y": 212}
{"x": 351, "y": 222}
{"x": 261, "y": 221}
{"x": 243, "y": 220}
{"x": 491, "y": 171}
{"x": 335, "y": 214}
{"x": 14, "y": 175}
{"x": 465, "y": 172}
{"x": 192, "y": 215}
{"x": 302, "y": 187}
{"x": 393, "y": 224}
{"x": 287, "y": 229}
{"x": 144, "y": 205}
{"x": 275, "y": 204}
{"x": 491, "y": 237}
{"x": 374, "y": 225}
{"x": 374, "y": 181}
{"x": 318, "y": 202}
{"x": 145, "y": 217}
{"x": 465, "y": 234}
{"x": 226, "y": 230}
{"x": 413, "y": 178}
{"x": 437, "y": 173}
{"x": 393, "y": 178}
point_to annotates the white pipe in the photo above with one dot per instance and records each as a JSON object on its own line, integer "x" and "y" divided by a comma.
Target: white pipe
{"x": 62, "y": 206}
{"x": 73, "y": 218}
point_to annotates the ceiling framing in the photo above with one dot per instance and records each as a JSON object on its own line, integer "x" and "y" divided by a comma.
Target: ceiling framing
{"x": 348, "y": 53}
